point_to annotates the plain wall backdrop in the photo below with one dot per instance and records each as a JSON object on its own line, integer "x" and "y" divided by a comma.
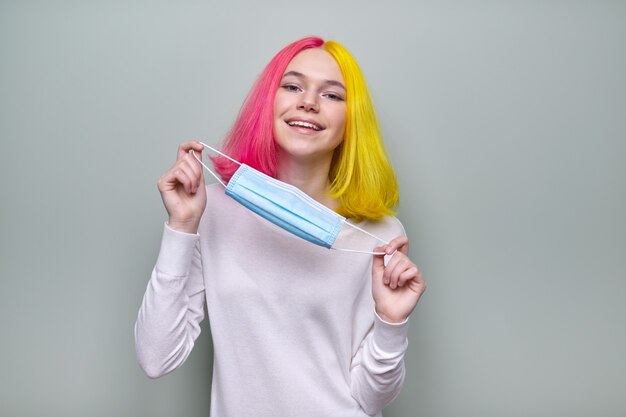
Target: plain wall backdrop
{"x": 506, "y": 122}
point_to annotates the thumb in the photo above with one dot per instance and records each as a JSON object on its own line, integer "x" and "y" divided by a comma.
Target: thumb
{"x": 197, "y": 155}
{"x": 378, "y": 262}
{"x": 378, "y": 269}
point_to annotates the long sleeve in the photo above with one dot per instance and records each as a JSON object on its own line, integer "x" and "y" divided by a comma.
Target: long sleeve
{"x": 169, "y": 318}
{"x": 377, "y": 371}
{"x": 292, "y": 324}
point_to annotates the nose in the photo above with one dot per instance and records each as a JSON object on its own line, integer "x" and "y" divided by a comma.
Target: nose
{"x": 309, "y": 103}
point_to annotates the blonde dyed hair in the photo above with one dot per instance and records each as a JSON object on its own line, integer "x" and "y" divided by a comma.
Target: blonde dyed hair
{"x": 362, "y": 178}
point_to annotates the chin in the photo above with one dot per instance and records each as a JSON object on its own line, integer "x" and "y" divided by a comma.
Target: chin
{"x": 303, "y": 152}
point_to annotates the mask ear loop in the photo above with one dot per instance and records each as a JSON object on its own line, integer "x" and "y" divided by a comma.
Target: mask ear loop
{"x": 367, "y": 233}
{"x": 345, "y": 221}
{"x": 207, "y": 168}
{"x": 361, "y": 251}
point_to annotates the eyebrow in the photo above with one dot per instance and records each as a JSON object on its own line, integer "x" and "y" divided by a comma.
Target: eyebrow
{"x": 300, "y": 75}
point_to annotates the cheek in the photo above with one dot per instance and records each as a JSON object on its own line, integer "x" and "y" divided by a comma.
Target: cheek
{"x": 282, "y": 103}
{"x": 276, "y": 107}
{"x": 278, "y": 104}
{"x": 341, "y": 119}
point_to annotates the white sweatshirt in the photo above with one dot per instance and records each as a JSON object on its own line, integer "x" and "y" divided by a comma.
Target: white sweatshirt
{"x": 293, "y": 324}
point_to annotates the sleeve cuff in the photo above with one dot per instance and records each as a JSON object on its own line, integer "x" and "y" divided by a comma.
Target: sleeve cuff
{"x": 176, "y": 252}
{"x": 390, "y": 337}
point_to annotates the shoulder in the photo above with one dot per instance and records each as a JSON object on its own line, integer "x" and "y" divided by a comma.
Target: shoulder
{"x": 215, "y": 194}
{"x": 387, "y": 228}
{"x": 391, "y": 226}
{"x": 221, "y": 212}
{"x": 392, "y": 223}
{"x": 214, "y": 189}
{"x": 217, "y": 200}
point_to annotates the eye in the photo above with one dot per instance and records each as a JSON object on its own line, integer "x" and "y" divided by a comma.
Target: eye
{"x": 291, "y": 87}
{"x": 333, "y": 96}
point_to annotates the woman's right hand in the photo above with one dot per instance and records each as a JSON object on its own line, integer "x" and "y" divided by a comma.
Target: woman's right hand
{"x": 182, "y": 189}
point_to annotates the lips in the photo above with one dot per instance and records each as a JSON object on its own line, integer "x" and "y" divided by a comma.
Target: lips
{"x": 307, "y": 124}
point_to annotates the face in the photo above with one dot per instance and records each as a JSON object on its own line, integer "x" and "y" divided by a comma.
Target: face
{"x": 310, "y": 106}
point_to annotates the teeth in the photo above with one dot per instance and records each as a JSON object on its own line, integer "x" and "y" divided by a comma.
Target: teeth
{"x": 303, "y": 124}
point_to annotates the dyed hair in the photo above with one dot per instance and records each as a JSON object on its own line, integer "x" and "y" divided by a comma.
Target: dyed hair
{"x": 361, "y": 176}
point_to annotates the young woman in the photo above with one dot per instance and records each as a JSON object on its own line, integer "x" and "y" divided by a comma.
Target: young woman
{"x": 298, "y": 329}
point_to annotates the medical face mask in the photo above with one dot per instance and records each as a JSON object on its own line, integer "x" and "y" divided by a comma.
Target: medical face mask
{"x": 285, "y": 205}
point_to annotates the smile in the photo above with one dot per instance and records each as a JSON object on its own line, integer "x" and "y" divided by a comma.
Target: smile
{"x": 307, "y": 125}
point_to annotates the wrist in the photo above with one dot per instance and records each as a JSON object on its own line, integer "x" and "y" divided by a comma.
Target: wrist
{"x": 391, "y": 318}
{"x": 188, "y": 226}
{"x": 390, "y": 337}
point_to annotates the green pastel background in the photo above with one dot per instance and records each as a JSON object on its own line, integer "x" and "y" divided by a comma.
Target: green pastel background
{"x": 506, "y": 122}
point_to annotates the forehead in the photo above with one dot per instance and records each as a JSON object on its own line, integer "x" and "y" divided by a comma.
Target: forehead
{"x": 316, "y": 63}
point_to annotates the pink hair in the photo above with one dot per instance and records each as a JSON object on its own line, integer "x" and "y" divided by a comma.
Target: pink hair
{"x": 251, "y": 139}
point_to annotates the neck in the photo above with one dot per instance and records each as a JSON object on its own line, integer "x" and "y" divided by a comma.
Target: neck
{"x": 309, "y": 176}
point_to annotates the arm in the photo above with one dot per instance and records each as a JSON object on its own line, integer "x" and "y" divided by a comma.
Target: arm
{"x": 169, "y": 318}
{"x": 378, "y": 367}
{"x": 377, "y": 372}
{"x": 173, "y": 306}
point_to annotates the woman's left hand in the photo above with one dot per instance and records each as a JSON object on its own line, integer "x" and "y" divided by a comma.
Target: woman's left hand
{"x": 397, "y": 287}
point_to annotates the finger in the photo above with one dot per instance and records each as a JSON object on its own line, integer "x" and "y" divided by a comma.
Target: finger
{"x": 196, "y": 162}
{"x": 184, "y": 180}
{"x": 193, "y": 170}
{"x": 383, "y": 268}
{"x": 395, "y": 268}
{"x": 169, "y": 181}
{"x": 378, "y": 262}
{"x": 378, "y": 267}
{"x": 182, "y": 175}
{"x": 419, "y": 278}
{"x": 390, "y": 266}
{"x": 408, "y": 274}
{"x": 185, "y": 147}
{"x": 404, "y": 270}
{"x": 401, "y": 243}
{"x": 195, "y": 166}
{"x": 192, "y": 177}
{"x": 417, "y": 284}
{"x": 420, "y": 283}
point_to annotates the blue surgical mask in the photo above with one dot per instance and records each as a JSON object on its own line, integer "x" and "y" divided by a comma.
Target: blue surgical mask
{"x": 286, "y": 206}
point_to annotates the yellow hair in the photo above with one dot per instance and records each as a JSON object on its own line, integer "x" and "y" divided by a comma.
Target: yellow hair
{"x": 361, "y": 176}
